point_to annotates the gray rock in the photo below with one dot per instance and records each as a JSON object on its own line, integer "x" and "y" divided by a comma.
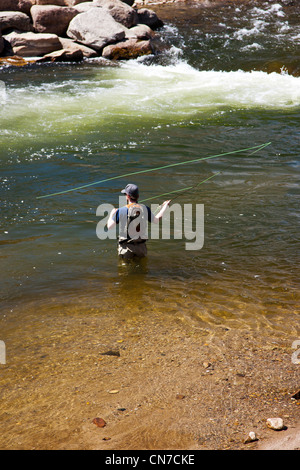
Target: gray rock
{"x": 141, "y": 31}
{"x": 120, "y": 11}
{"x": 95, "y": 28}
{"x": 70, "y": 45}
{"x": 15, "y": 20}
{"x": 33, "y": 44}
{"x": 149, "y": 17}
{"x": 52, "y": 19}
{"x": 63, "y": 56}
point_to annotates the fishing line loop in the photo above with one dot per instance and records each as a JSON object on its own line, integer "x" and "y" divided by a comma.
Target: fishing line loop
{"x": 256, "y": 148}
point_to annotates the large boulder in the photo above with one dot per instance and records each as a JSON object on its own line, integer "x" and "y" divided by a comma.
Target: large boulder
{"x": 120, "y": 11}
{"x": 70, "y": 45}
{"x": 149, "y": 17}
{"x": 129, "y": 49}
{"x": 32, "y": 44}
{"x": 52, "y": 19}
{"x": 14, "y": 20}
{"x": 16, "y": 5}
{"x": 95, "y": 28}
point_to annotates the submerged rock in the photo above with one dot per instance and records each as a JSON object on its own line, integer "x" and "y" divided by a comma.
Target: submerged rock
{"x": 16, "y": 61}
{"x": 95, "y": 28}
{"x": 112, "y": 352}
{"x": 99, "y": 422}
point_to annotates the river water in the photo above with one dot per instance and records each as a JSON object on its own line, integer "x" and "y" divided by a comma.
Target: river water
{"x": 228, "y": 81}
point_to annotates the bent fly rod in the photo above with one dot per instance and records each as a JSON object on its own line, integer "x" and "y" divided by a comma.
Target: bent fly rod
{"x": 255, "y": 149}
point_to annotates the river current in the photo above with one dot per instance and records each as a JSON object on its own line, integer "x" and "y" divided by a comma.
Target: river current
{"x": 228, "y": 81}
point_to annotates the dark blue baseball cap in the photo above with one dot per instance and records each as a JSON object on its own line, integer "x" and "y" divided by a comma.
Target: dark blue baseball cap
{"x": 131, "y": 190}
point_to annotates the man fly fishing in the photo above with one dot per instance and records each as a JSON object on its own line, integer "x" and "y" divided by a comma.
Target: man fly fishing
{"x": 133, "y": 222}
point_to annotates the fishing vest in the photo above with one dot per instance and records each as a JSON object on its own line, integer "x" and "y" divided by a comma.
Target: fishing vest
{"x": 135, "y": 228}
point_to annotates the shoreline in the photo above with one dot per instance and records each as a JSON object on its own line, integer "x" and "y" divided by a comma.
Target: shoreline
{"x": 157, "y": 383}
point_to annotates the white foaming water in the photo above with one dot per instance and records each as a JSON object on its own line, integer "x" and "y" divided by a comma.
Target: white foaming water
{"x": 275, "y": 9}
{"x": 260, "y": 20}
{"x": 2, "y": 92}
{"x": 185, "y": 88}
{"x": 148, "y": 92}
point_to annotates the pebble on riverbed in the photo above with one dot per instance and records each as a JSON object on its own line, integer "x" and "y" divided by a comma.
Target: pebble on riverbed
{"x": 276, "y": 424}
{"x": 99, "y": 422}
{"x": 251, "y": 437}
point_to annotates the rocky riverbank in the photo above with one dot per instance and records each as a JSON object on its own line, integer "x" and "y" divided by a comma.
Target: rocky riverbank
{"x": 71, "y": 30}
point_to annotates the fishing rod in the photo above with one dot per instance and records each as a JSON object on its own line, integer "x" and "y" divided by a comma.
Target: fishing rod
{"x": 256, "y": 148}
{"x": 188, "y": 189}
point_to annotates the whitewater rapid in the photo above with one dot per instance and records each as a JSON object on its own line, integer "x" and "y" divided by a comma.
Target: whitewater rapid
{"x": 133, "y": 89}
